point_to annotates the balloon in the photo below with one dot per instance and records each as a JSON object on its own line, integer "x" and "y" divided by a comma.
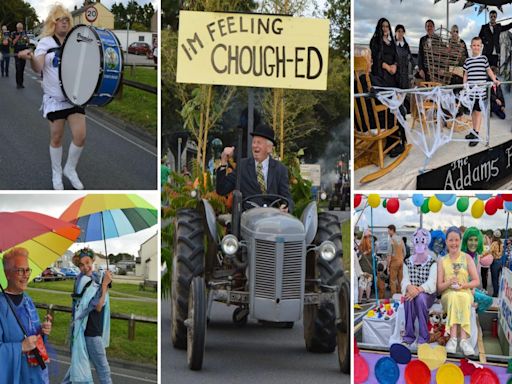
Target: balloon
{"x": 490, "y": 207}
{"x": 499, "y": 202}
{"x": 483, "y": 196}
{"x": 424, "y": 206}
{"x": 373, "y": 200}
{"x": 434, "y": 204}
{"x": 506, "y": 197}
{"x": 384, "y": 203}
{"x": 417, "y": 199}
{"x": 463, "y": 204}
{"x": 477, "y": 209}
{"x": 393, "y": 205}
{"x": 508, "y": 206}
{"x": 451, "y": 201}
{"x": 444, "y": 197}
{"x": 357, "y": 200}
{"x": 403, "y": 197}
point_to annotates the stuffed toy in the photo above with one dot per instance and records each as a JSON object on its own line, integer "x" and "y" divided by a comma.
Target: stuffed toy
{"x": 433, "y": 326}
{"x": 443, "y": 336}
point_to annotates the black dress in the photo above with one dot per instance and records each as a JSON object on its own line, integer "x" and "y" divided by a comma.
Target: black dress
{"x": 383, "y": 52}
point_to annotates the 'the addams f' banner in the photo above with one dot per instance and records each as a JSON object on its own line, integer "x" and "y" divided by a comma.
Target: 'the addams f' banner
{"x": 253, "y": 50}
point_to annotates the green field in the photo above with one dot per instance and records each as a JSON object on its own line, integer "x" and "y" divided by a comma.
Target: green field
{"x": 136, "y": 106}
{"x": 143, "y": 349}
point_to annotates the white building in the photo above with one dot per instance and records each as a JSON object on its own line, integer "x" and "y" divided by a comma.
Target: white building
{"x": 134, "y": 37}
{"x": 147, "y": 264}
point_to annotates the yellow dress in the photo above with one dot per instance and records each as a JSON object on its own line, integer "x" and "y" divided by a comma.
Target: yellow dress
{"x": 457, "y": 303}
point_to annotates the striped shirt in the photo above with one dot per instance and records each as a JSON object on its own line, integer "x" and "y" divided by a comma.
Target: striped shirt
{"x": 476, "y": 69}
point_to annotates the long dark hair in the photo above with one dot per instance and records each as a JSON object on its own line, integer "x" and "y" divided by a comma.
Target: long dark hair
{"x": 377, "y": 44}
{"x": 378, "y": 35}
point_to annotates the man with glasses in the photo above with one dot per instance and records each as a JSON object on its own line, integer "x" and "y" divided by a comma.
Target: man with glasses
{"x": 20, "y": 43}
{"x": 16, "y": 351}
{"x": 490, "y": 35}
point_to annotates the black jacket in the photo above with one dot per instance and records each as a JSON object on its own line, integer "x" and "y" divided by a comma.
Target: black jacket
{"x": 492, "y": 40}
{"x": 277, "y": 180}
{"x": 497, "y": 93}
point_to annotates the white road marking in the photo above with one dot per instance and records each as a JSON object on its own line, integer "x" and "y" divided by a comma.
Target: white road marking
{"x": 118, "y": 134}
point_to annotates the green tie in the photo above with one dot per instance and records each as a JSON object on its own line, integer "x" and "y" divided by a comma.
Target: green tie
{"x": 261, "y": 178}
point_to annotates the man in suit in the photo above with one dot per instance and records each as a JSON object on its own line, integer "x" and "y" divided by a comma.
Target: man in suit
{"x": 261, "y": 174}
{"x": 490, "y": 35}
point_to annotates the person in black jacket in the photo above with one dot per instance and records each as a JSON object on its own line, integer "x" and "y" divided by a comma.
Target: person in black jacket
{"x": 422, "y": 60}
{"x": 404, "y": 57}
{"x": 384, "y": 56}
{"x": 490, "y": 35}
{"x": 260, "y": 174}
{"x": 497, "y": 99}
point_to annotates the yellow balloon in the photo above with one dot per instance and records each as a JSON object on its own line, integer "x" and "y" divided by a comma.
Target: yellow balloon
{"x": 477, "y": 209}
{"x": 373, "y": 200}
{"x": 434, "y": 204}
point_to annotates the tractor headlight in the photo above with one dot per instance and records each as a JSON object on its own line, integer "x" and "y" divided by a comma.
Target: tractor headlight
{"x": 193, "y": 193}
{"x": 323, "y": 196}
{"x": 327, "y": 250}
{"x": 229, "y": 244}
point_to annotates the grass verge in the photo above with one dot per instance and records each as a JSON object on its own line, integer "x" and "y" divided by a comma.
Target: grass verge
{"x": 136, "y": 106}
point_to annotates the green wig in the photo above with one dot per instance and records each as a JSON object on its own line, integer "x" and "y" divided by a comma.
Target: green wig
{"x": 470, "y": 232}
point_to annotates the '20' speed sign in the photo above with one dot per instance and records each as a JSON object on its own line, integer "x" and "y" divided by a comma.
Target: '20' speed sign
{"x": 91, "y": 14}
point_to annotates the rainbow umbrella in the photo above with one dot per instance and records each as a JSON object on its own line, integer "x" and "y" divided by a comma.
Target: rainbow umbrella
{"x": 102, "y": 217}
{"x": 46, "y": 238}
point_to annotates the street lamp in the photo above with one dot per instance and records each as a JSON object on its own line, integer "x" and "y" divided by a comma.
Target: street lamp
{"x": 127, "y": 33}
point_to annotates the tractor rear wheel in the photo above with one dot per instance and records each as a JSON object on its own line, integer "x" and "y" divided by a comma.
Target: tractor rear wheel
{"x": 320, "y": 320}
{"x": 188, "y": 262}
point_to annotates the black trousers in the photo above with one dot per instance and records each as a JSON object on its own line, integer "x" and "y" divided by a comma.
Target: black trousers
{"x": 20, "y": 68}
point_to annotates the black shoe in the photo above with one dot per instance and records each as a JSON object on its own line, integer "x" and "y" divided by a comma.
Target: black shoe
{"x": 396, "y": 151}
{"x": 473, "y": 143}
{"x": 470, "y": 136}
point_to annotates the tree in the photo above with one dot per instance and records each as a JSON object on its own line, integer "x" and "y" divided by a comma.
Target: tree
{"x": 14, "y": 11}
{"x": 140, "y": 15}
{"x": 338, "y": 11}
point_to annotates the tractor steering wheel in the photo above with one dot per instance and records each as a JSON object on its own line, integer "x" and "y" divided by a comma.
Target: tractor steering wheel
{"x": 276, "y": 201}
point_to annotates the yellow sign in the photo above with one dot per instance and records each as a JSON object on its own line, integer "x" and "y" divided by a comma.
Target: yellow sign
{"x": 253, "y": 50}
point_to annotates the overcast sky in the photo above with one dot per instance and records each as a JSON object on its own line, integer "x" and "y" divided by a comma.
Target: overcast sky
{"x": 43, "y": 6}
{"x": 413, "y": 14}
{"x": 55, "y": 204}
{"x": 408, "y": 215}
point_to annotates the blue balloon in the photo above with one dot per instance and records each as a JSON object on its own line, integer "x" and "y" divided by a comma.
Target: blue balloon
{"x": 483, "y": 196}
{"x": 444, "y": 197}
{"x": 452, "y": 201}
{"x": 417, "y": 199}
{"x": 508, "y": 205}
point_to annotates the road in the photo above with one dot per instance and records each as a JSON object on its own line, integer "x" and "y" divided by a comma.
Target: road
{"x": 121, "y": 372}
{"x": 113, "y": 159}
{"x": 253, "y": 354}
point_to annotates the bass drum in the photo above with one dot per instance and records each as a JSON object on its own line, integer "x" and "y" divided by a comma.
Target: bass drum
{"x": 91, "y": 66}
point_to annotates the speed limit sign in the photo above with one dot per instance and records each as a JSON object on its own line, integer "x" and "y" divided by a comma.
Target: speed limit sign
{"x": 91, "y": 14}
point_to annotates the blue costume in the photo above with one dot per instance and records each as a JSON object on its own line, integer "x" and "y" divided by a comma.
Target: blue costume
{"x": 86, "y": 295}
{"x": 15, "y": 368}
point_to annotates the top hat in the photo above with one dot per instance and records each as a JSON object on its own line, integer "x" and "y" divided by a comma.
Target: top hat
{"x": 263, "y": 130}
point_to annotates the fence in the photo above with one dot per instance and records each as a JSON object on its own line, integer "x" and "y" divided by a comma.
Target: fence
{"x": 132, "y": 319}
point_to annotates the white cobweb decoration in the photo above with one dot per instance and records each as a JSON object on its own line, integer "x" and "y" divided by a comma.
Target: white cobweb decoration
{"x": 437, "y": 111}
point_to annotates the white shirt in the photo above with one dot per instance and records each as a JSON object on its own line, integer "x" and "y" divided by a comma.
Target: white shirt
{"x": 53, "y": 98}
{"x": 264, "y": 163}
{"x": 429, "y": 286}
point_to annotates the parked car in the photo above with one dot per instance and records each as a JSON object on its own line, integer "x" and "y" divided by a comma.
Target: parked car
{"x": 139, "y": 48}
{"x": 52, "y": 273}
{"x": 70, "y": 273}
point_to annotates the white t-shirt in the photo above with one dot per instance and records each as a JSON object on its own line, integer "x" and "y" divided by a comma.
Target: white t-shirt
{"x": 53, "y": 98}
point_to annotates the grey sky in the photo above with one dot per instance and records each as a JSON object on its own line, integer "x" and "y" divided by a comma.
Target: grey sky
{"x": 413, "y": 14}
{"x": 55, "y": 204}
{"x": 408, "y": 214}
{"x": 43, "y": 6}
